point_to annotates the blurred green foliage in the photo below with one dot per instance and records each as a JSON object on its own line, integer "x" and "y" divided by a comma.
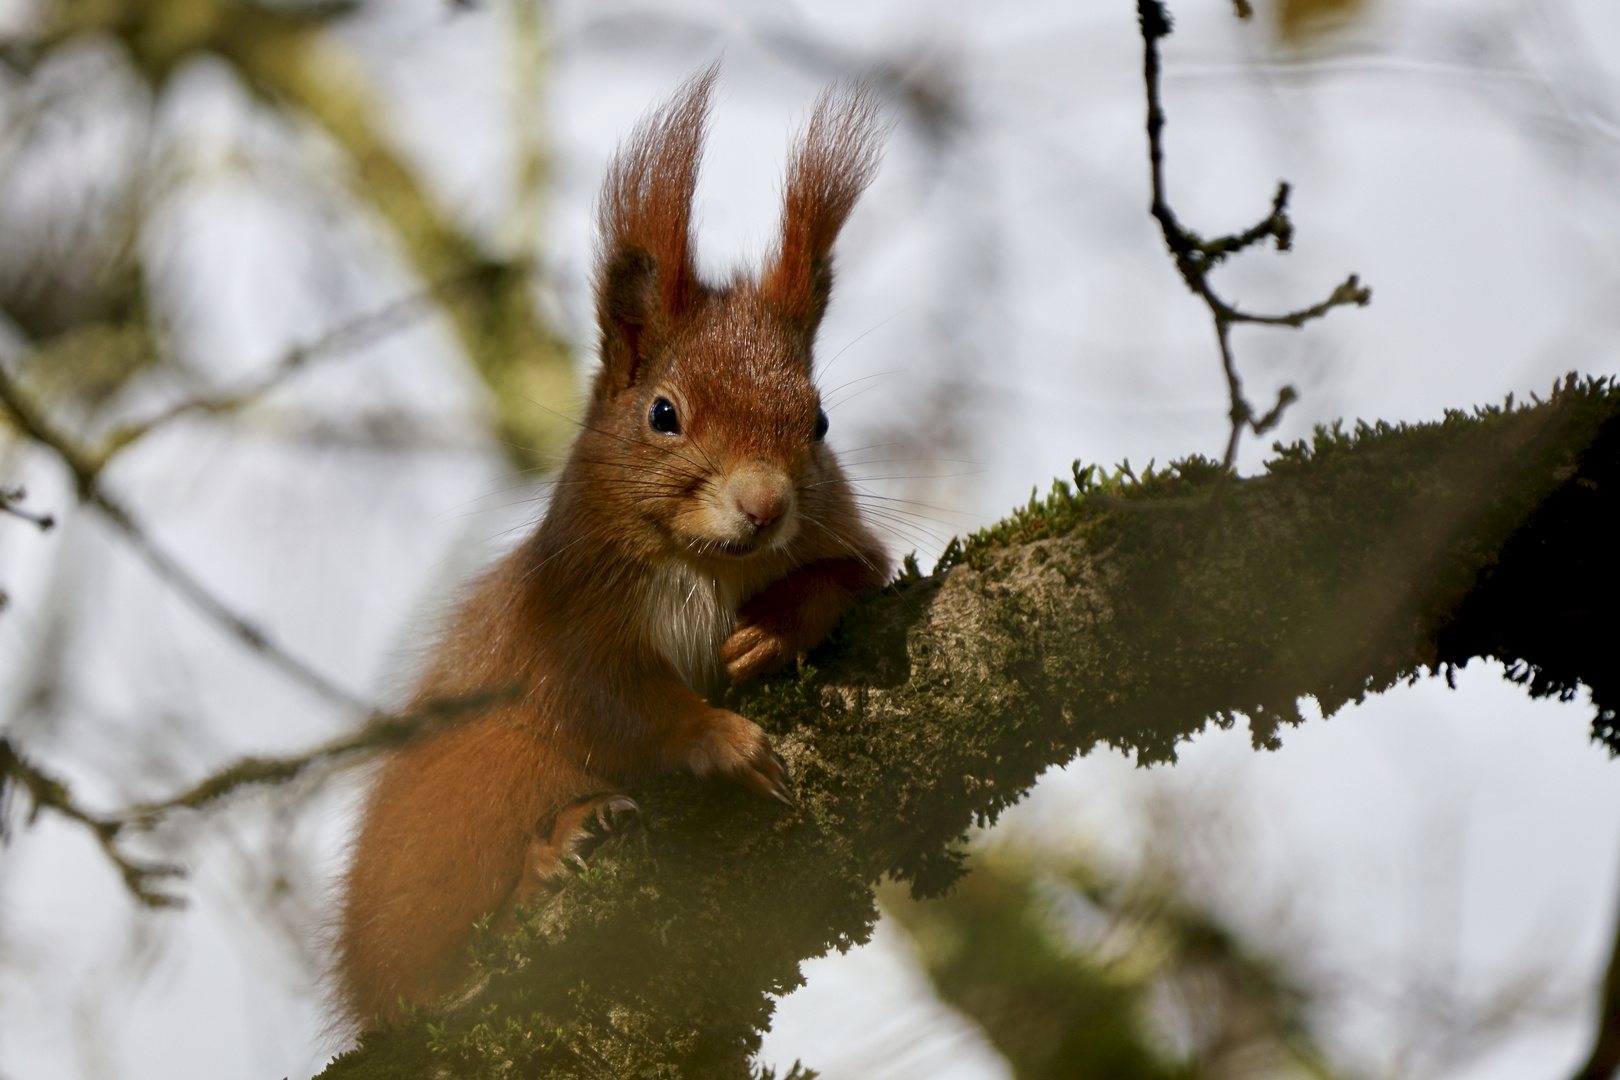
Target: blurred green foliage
{"x": 1307, "y": 23}
{"x": 1076, "y": 973}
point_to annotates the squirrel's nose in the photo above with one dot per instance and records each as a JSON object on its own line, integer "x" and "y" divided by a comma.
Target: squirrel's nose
{"x": 761, "y": 505}
{"x": 761, "y": 493}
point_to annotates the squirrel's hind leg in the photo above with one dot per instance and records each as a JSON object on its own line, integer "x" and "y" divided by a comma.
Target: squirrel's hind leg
{"x": 553, "y": 854}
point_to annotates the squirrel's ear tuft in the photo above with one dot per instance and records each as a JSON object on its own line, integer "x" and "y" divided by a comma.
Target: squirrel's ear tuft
{"x": 829, "y": 169}
{"x": 645, "y": 277}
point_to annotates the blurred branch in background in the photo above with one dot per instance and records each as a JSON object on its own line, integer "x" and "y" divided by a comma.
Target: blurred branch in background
{"x": 89, "y": 337}
{"x": 10, "y": 503}
{"x": 1604, "y": 1061}
{"x": 289, "y": 58}
{"x": 46, "y": 792}
{"x": 1082, "y": 966}
{"x": 87, "y": 466}
{"x": 11, "y": 500}
{"x": 1302, "y": 23}
{"x": 30, "y": 419}
{"x": 1171, "y": 957}
{"x": 343, "y": 340}
{"x": 1196, "y": 257}
{"x": 1075, "y": 971}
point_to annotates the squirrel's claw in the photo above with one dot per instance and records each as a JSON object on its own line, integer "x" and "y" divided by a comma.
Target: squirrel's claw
{"x": 769, "y": 786}
{"x": 736, "y": 747}
{"x": 780, "y": 794}
{"x": 618, "y": 804}
{"x": 770, "y": 779}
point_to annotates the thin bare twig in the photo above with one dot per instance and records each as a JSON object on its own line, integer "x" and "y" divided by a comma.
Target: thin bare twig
{"x": 47, "y": 792}
{"x": 1196, "y": 257}
{"x": 381, "y": 730}
{"x": 10, "y": 497}
{"x": 86, "y": 474}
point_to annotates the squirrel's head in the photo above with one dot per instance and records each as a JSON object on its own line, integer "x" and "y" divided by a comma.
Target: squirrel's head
{"x": 704, "y": 423}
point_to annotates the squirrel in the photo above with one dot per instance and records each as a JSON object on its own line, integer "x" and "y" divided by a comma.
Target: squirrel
{"x": 700, "y": 525}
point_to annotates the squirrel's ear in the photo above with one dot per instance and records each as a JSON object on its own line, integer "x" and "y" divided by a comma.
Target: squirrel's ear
{"x": 645, "y": 277}
{"x": 829, "y": 169}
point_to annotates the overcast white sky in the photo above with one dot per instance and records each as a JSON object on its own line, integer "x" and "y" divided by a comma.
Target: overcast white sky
{"x": 1004, "y": 306}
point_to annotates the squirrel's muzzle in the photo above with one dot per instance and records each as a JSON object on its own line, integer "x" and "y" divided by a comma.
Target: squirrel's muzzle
{"x": 762, "y": 494}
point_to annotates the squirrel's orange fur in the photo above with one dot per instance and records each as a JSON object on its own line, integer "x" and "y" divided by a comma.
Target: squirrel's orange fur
{"x": 730, "y": 541}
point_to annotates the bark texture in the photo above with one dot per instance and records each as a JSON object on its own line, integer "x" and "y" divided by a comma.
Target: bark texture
{"x": 1125, "y": 610}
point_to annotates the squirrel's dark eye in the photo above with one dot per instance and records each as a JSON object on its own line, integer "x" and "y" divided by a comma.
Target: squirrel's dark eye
{"x": 821, "y": 425}
{"x": 663, "y": 418}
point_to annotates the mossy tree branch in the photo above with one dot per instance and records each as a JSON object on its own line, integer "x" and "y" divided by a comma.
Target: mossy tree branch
{"x": 1131, "y": 611}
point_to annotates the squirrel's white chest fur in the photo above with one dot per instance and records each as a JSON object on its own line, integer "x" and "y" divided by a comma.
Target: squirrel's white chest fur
{"x": 687, "y": 615}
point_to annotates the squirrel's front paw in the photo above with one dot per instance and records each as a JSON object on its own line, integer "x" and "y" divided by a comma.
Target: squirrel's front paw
{"x": 755, "y": 647}
{"x": 736, "y": 747}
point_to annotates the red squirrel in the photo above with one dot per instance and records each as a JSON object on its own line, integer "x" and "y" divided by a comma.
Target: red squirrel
{"x": 699, "y": 525}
